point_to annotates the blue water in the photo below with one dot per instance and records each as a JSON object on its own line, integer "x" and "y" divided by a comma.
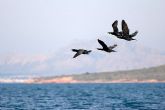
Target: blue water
{"x": 82, "y": 96}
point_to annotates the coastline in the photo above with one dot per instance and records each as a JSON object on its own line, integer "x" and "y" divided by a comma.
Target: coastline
{"x": 69, "y": 79}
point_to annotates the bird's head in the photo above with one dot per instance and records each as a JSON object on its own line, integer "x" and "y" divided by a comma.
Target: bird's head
{"x": 110, "y": 32}
{"x": 89, "y": 51}
{"x": 115, "y": 45}
{"x": 133, "y": 39}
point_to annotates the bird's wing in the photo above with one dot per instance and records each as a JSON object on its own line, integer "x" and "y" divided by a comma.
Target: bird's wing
{"x": 74, "y": 50}
{"x": 102, "y": 43}
{"x": 134, "y": 34}
{"x": 125, "y": 28}
{"x": 115, "y": 28}
{"x": 78, "y": 53}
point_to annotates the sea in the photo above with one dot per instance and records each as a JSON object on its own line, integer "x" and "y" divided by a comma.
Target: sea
{"x": 117, "y": 96}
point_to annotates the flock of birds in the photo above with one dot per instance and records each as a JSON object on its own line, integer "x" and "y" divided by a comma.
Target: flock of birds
{"x": 124, "y": 34}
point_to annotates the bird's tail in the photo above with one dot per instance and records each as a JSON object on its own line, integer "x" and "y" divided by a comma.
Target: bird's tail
{"x": 109, "y": 32}
{"x": 74, "y": 50}
{"x": 114, "y": 51}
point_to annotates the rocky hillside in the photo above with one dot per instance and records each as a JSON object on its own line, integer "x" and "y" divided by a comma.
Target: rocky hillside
{"x": 154, "y": 74}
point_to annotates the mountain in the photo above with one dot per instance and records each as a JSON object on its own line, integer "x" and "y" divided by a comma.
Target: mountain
{"x": 153, "y": 74}
{"x": 129, "y": 55}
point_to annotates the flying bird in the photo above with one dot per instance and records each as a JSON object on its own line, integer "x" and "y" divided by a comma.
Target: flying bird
{"x": 125, "y": 32}
{"x": 115, "y": 30}
{"x": 105, "y": 47}
{"x": 80, "y": 51}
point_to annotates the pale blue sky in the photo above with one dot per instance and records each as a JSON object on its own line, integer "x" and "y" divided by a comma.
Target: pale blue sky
{"x": 37, "y": 35}
{"x": 44, "y": 26}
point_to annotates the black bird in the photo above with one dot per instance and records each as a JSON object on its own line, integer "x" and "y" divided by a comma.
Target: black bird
{"x": 125, "y": 32}
{"x": 80, "y": 51}
{"x": 105, "y": 47}
{"x": 115, "y": 30}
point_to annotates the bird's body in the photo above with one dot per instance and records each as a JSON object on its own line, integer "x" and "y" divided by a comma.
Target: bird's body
{"x": 80, "y": 51}
{"x": 105, "y": 47}
{"x": 124, "y": 34}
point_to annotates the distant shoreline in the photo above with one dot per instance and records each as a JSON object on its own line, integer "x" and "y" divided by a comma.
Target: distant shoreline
{"x": 70, "y": 80}
{"x": 91, "y": 83}
{"x": 146, "y": 75}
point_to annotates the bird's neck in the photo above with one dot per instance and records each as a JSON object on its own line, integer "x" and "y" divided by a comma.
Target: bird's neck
{"x": 99, "y": 48}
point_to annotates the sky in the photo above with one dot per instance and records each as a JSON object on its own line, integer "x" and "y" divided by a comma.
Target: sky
{"x": 35, "y": 30}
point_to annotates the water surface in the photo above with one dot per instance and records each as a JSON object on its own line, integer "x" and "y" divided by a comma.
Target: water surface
{"x": 82, "y": 96}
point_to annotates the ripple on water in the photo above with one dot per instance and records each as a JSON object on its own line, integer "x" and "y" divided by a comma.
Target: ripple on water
{"x": 82, "y": 96}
